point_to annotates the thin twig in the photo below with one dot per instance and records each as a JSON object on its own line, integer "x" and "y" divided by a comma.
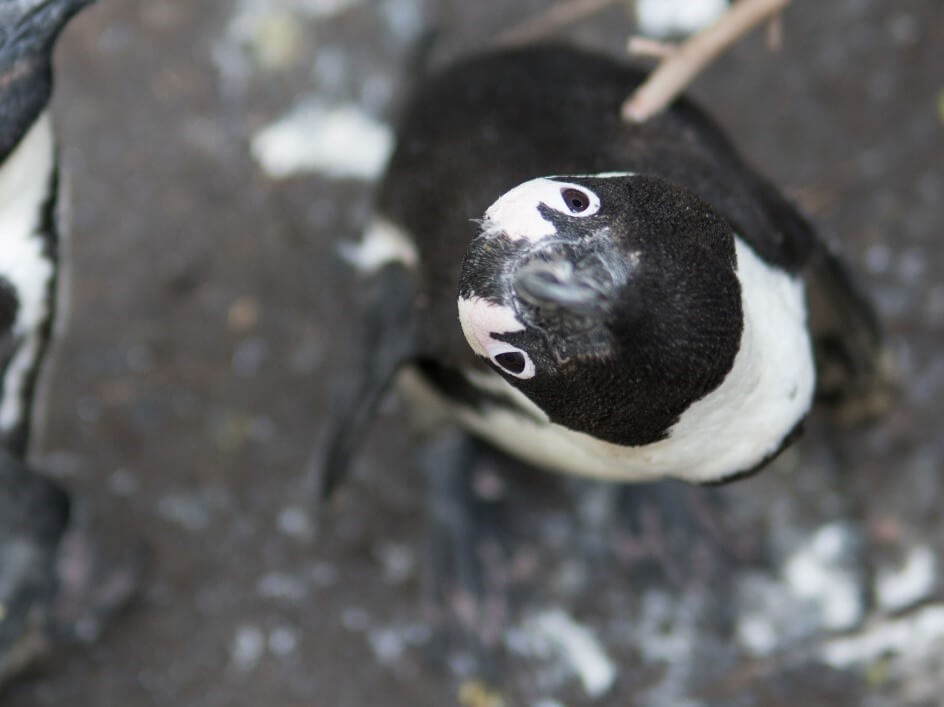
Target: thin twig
{"x": 648, "y": 47}
{"x": 675, "y": 72}
{"x": 775, "y": 33}
{"x": 552, "y": 20}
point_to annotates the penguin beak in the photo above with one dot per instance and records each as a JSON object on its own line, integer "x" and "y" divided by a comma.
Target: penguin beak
{"x": 31, "y": 26}
{"x": 558, "y": 285}
{"x": 581, "y": 285}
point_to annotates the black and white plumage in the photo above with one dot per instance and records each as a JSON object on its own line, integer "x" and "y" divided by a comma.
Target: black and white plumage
{"x": 29, "y": 267}
{"x": 647, "y": 338}
{"x": 633, "y": 301}
{"x": 52, "y": 580}
{"x": 29, "y": 191}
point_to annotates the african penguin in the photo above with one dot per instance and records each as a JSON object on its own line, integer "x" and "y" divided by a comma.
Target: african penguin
{"x": 625, "y": 302}
{"x": 29, "y": 191}
{"x": 46, "y": 563}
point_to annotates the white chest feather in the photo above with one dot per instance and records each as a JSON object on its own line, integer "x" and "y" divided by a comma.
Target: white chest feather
{"x": 24, "y": 184}
{"x": 767, "y": 392}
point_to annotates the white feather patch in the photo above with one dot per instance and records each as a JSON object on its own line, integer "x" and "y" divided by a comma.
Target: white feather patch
{"x": 516, "y": 213}
{"x": 480, "y": 319}
{"x": 384, "y": 242}
{"x": 24, "y": 184}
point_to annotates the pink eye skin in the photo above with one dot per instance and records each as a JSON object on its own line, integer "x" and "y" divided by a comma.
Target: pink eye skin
{"x": 482, "y": 321}
{"x": 517, "y": 212}
{"x": 572, "y": 199}
{"x": 511, "y": 360}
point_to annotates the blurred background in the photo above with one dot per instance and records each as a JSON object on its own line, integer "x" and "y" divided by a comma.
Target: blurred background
{"x": 211, "y": 321}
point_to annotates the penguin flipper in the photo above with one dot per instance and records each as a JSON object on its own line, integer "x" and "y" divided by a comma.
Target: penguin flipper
{"x": 389, "y": 338}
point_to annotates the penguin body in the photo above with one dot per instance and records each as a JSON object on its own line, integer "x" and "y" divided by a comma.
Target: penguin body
{"x": 628, "y": 302}
{"x": 34, "y": 516}
{"x": 29, "y": 267}
{"x": 29, "y": 192}
{"x": 54, "y": 581}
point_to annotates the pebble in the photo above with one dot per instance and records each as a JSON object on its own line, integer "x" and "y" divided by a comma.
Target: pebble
{"x": 817, "y": 572}
{"x": 324, "y": 575}
{"x": 122, "y": 483}
{"x": 248, "y": 647}
{"x": 277, "y": 585}
{"x": 668, "y": 18}
{"x": 186, "y": 510}
{"x": 249, "y": 356}
{"x": 915, "y": 636}
{"x": 283, "y": 641}
{"x": 910, "y": 583}
{"x": 244, "y": 313}
{"x": 355, "y": 619}
{"x": 295, "y": 522}
{"x": 554, "y": 632}
{"x": 339, "y": 141}
{"x": 397, "y": 560}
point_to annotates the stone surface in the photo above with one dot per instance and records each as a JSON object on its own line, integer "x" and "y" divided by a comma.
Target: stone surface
{"x": 211, "y": 321}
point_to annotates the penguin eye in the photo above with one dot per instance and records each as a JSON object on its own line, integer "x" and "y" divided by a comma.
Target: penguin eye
{"x": 576, "y": 200}
{"x": 512, "y": 360}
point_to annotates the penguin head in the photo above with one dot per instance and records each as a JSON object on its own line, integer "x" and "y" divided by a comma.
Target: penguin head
{"x": 28, "y": 31}
{"x": 611, "y": 301}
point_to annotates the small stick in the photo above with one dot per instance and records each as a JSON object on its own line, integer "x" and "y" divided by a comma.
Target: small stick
{"x": 552, "y": 20}
{"x": 775, "y": 33}
{"x": 676, "y": 71}
{"x": 645, "y": 46}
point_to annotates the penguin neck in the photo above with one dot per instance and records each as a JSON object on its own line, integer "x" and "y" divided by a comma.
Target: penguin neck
{"x": 25, "y": 173}
{"x": 27, "y": 240}
{"x": 769, "y": 389}
{"x": 25, "y": 89}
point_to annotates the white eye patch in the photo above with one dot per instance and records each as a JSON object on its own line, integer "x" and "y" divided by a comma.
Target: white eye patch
{"x": 480, "y": 319}
{"x": 516, "y": 212}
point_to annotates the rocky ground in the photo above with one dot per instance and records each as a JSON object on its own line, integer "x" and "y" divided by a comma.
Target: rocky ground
{"x": 211, "y": 324}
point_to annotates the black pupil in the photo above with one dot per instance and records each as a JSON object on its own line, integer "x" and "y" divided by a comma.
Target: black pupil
{"x": 511, "y": 361}
{"x": 576, "y": 200}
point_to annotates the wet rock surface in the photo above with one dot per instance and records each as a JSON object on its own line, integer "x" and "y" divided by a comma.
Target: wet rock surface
{"x": 211, "y": 325}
